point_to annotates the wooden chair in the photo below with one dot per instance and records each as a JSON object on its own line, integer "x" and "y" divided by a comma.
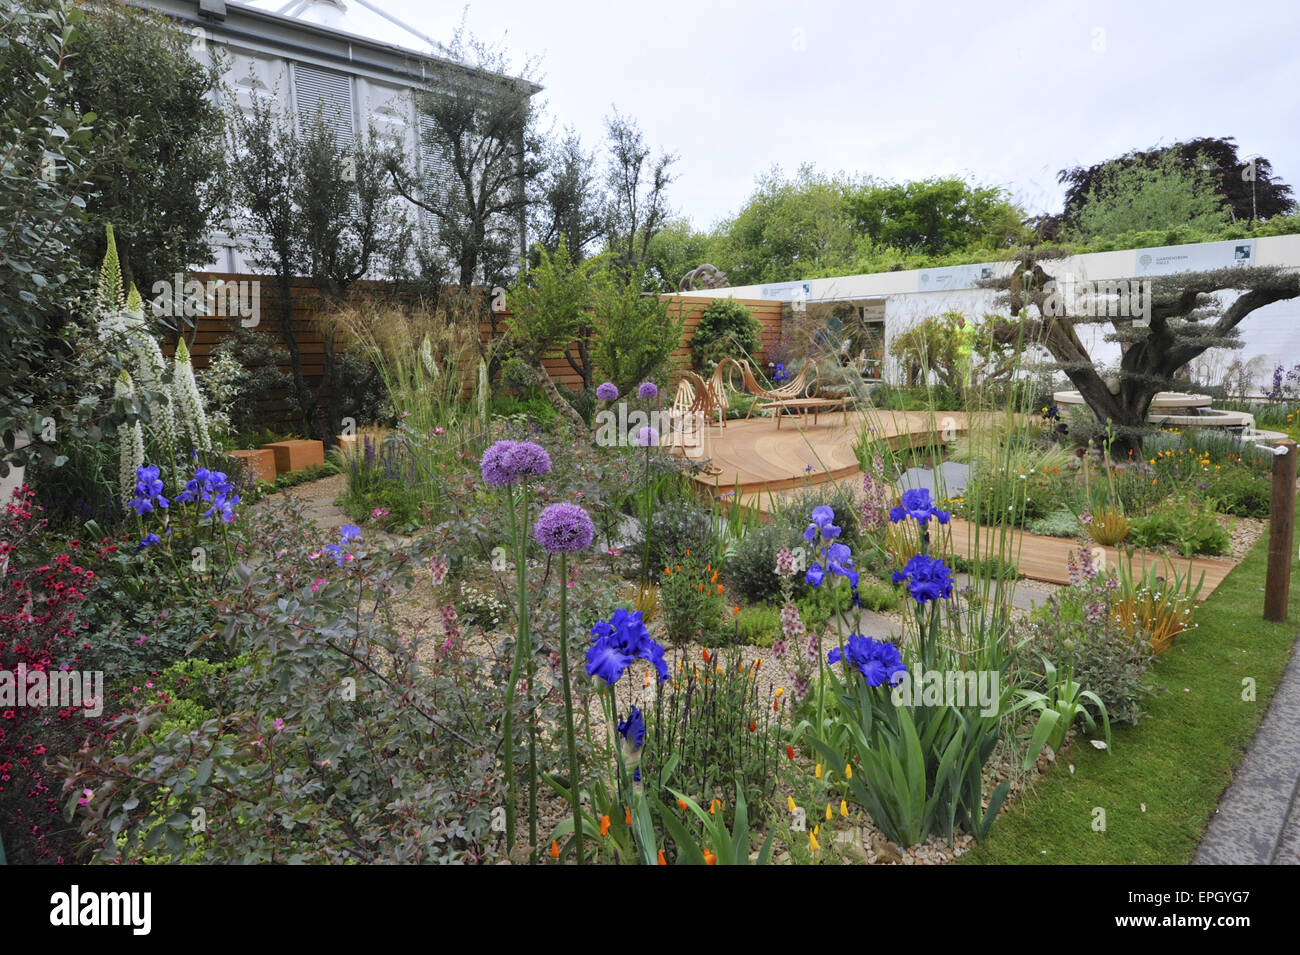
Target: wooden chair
{"x": 798, "y": 387}
{"x": 717, "y": 385}
{"x": 690, "y": 416}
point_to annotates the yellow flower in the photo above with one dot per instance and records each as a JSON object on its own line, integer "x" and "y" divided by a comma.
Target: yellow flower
{"x": 813, "y": 844}
{"x": 848, "y": 771}
{"x": 790, "y": 802}
{"x": 844, "y": 808}
{"x": 829, "y": 815}
{"x": 818, "y": 771}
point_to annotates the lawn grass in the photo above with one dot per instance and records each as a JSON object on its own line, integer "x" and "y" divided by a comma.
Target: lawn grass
{"x": 1178, "y": 760}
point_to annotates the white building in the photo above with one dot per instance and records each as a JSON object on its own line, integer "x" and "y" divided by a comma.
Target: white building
{"x": 896, "y": 301}
{"x": 347, "y": 57}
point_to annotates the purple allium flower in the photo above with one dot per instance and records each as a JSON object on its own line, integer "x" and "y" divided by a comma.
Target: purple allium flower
{"x": 607, "y": 391}
{"x": 928, "y": 578}
{"x": 647, "y": 437}
{"x": 648, "y": 391}
{"x": 527, "y": 459}
{"x": 877, "y": 660}
{"x": 563, "y": 528}
{"x": 495, "y": 464}
{"x": 506, "y": 462}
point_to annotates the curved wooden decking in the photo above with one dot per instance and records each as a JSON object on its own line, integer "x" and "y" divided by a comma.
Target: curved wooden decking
{"x": 763, "y": 466}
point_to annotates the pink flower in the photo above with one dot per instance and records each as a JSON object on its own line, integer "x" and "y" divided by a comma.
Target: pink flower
{"x": 279, "y": 723}
{"x": 784, "y": 563}
{"x": 86, "y": 796}
{"x": 438, "y": 570}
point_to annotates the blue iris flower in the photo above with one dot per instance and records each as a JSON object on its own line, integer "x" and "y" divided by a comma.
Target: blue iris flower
{"x": 632, "y": 730}
{"x": 878, "y": 661}
{"x": 148, "y": 490}
{"x": 928, "y": 578}
{"x": 618, "y": 642}
{"x": 916, "y": 504}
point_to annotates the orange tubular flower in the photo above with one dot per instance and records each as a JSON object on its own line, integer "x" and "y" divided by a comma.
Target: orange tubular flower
{"x": 555, "y": 849}
{"x": 706, "y": 656}
{"x": 662, "y": 860}
{"x": 719, "y": 590}
{"x": 627, "y": 810}
{"x": 710, "y": 858}
{"x": 789, "y": 753}
{"x": 735, "y": 611}
{"x": 681, "y": 804}
{"x": 604, "y": 826}
{"x": 753, "y": 725}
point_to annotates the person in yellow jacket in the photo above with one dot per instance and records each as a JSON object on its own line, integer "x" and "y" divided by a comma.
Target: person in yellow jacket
{"x": 965, "y": 349}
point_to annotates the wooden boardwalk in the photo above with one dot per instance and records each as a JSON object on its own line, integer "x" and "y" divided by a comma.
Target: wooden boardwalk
{"x": 765, "y": 466}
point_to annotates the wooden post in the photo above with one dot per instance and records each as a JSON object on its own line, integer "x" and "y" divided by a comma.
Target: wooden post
{"x": 1281, "y": 533}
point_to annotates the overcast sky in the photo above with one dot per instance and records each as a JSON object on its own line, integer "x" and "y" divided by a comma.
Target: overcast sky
{"x": 1004, "y": 93}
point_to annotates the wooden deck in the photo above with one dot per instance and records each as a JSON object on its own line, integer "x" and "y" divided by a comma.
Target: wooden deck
{"x": 764, "y": 466}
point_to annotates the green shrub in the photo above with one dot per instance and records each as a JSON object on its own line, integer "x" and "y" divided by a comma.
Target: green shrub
{"x": 1058, "y": 523}
{"x": 530, "y": 409}
{"x": 689, "y": 601}
{"x": 1189, "y": 529}
{"x": 1240, "y": 492}
{"x": 678, "y": 526}
{"x": 757, "y": 626}
{"x": 879, "y": 596}
{"x": 727, "y": 329}
{"x": 992, "y": 567}
{"x": 752, "y": 569}
{"x": 1077, "y": 629}
{"x": 713, "y": 732}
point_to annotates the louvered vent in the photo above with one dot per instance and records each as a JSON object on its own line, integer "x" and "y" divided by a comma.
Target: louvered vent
{"x": 328, "y": 93}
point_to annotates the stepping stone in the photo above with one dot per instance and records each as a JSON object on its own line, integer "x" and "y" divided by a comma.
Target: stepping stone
{"x": 879, "y": 627}
{"x": 1022, "y": 598}
{"x": 948, "y": 479}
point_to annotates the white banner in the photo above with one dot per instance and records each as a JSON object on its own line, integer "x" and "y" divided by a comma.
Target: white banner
{"x": 1198, "y": 257}
{"x": 952, "y": 277}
